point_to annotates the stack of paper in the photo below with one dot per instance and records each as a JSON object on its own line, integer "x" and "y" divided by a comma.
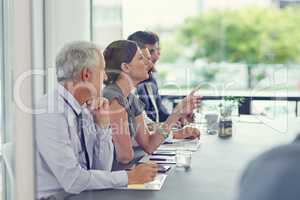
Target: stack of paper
{"x": 159, "y": 159}
{"x": 183, "y": 144}
{"x": 164, "y": 153}
{"x": 154, "y": 185}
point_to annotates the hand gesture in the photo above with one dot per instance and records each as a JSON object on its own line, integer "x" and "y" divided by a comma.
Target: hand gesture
{"x": 188, "y": 104}
{"x": 99, "y": 107}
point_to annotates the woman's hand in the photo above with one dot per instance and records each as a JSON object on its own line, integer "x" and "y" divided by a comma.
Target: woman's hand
{"x": 184, "y": 121}
{"x": 187, "y": 133}
{"x": 188, "y": 104}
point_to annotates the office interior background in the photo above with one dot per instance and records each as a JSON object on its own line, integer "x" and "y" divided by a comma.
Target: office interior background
{"x": 203, "y": 42}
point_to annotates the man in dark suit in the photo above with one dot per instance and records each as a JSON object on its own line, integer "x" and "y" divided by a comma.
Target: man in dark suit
{"x": 148, "y": 89}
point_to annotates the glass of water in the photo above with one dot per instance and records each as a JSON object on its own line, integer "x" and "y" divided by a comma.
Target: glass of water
{"x": 183, "y": 158}
{"x": 212, "y": 123}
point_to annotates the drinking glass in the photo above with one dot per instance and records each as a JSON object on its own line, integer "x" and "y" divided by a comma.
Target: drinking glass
{"x": 183, "y": 158}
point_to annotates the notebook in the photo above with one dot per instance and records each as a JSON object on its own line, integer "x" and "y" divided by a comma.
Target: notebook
{"x": 156, "y": 184}
{"x": 183, "y": 144}
{"x": 159, "y": 159}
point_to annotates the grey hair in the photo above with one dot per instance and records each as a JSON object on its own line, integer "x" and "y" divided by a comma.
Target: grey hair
{"x": 73, "y": 57}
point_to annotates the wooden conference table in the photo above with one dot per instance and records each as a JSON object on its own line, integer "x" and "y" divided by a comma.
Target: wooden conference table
{"x": 216, "y": 167}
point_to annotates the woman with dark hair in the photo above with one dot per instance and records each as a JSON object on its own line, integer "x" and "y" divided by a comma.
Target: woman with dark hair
{"x": 125, "y": 68}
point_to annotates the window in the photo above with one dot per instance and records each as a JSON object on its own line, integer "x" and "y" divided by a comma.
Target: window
{"x": 228, "y": 47}
{"x": 107, "y": 21}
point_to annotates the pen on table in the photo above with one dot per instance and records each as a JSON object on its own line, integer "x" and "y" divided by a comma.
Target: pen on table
{"x": 164, "y": 154}
{"x": 158, "y": 159}
{"x": 168, "y": 142}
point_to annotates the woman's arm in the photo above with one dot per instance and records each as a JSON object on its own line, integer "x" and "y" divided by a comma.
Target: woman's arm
{"x": 147, "y": 141}
{"x": 120, "y": 133}
{"x": 150, "y": 142}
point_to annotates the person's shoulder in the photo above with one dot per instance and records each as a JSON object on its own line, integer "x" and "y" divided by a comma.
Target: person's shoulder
{"x": 137, "y": 105}
{"x": 111, "y": 92}
{"x": 297, "y": 139}
{"x": 49, "y": 114}
{"x": 287, "y": 152}
{"x": 291, "y": 149}
{"x": 134, "y": 99}
{"x": 272, "y": 175}
{"x": 115, "y": 95}
{"x": 51, "y": 102}
{"x": 132, "y": 96}
{"x": 274, "y": 161}
{"x": 141, "y": 89}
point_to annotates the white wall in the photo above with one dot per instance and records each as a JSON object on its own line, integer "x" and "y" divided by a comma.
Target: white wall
{"x": 66, "y": 20}
{"x": 27, "y": 39}
{"x": 38, "y": 47}
{"x": 19, "y": 60}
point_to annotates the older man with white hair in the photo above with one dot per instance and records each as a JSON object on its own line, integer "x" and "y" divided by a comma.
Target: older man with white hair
{"x": 73, "y": 136}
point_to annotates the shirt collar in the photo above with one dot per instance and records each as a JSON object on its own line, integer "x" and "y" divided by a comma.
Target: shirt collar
{"x": 133, "y": 91}
{"x": 69, "y": 98}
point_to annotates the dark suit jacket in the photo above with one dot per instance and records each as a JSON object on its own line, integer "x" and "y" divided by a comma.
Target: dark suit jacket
{"x": 143, "y": 94}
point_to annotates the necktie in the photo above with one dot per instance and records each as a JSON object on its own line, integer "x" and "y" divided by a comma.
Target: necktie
{"x": 82, "y": 141}
{"x": 82, "y": 137}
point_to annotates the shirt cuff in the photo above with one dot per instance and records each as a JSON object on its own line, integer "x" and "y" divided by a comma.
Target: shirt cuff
{"x": 103, "y": 133}
{"x": 120, "y": 178}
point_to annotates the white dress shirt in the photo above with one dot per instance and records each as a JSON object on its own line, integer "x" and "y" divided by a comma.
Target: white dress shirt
{"x": 60, "y": 160}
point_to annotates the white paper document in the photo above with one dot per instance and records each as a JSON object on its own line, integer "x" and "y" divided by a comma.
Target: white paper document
{"x": 158, "y": 159}
{"x": 154, "y": 185}
{"x": 173, "y": 145}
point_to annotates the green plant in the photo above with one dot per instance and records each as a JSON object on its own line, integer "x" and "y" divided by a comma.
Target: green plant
{"x": 250, "y": 35}
{"x": 228, "y": 104}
